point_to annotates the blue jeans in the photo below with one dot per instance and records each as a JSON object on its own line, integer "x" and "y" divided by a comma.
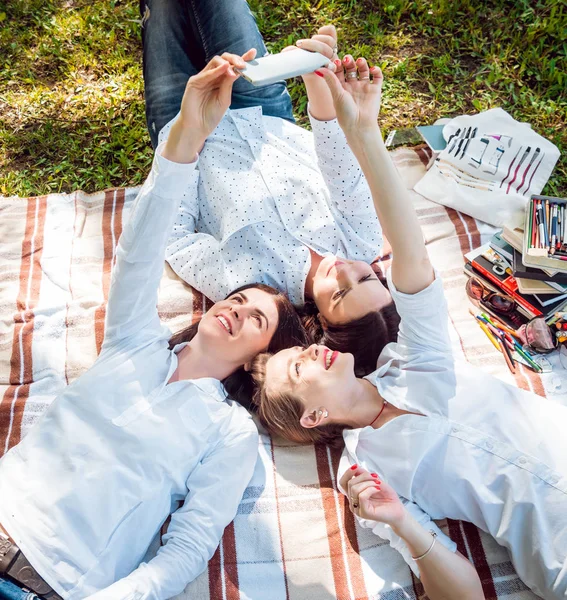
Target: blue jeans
{"x": 181, "y": 36}
{"x": 11, "y": 591}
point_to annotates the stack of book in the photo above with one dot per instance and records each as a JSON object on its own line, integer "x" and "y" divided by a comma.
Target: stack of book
{"x": 504, "y": 265}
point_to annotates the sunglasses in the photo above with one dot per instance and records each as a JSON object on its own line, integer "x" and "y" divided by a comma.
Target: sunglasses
{"x": 536, "y": 334}
{"x": 480, "y": 295}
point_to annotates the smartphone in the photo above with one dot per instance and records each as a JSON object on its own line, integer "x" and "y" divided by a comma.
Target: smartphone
{"x": 275, "y": 67}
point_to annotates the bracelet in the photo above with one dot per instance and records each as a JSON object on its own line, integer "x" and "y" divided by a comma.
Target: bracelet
{"x": 434, "y": 535}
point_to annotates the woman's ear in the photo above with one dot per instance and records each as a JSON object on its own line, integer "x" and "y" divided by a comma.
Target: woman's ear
{"x": 247, "y": 366}
{"x": 323, "y": 321}
{"x": 314, "y": 418}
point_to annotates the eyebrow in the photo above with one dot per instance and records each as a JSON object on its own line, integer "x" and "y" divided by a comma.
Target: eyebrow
{"x": 260, "y": 312}
{"x": 350, "y": 288}
{"x": 288, "y": 368}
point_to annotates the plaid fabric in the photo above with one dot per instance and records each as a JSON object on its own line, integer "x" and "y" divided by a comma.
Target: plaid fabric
{"x": 293, "y": 537}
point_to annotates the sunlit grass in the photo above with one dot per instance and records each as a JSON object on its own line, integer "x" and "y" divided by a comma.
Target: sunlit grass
{"x": 71, "y": 90}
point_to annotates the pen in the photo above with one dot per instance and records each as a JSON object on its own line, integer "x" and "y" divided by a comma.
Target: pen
{"x": 553, "y": 212}
{"x": 489, "y": 335}
{"x": 497, "y": 323}
{"x": 528, "y": 358}
{"x": 507, "y": 355}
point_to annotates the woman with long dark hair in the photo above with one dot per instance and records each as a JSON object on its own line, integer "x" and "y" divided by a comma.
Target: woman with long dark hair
{"x": 453, "y": 441}
{"x": 273, "y": 202}
{"x": 149, "y": 425}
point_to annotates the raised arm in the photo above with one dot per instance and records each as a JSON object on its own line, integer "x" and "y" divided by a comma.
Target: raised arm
{"x": 141, "y": 248}
{"x": 357, "y": 104}
{"x": 444, "y": 573}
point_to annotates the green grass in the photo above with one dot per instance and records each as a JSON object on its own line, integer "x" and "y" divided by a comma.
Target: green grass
{"x": 71, "y": 89}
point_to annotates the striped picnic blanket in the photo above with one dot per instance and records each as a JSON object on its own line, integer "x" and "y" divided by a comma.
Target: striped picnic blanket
{"x": 293, "y": 537}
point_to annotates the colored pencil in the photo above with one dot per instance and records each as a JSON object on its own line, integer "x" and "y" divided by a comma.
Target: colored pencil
{"x": 507, "y": 354}
{"x": 489, "y": 335}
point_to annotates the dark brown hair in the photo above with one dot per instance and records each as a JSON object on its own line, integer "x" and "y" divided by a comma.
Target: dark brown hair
{"x": 280, "y": 412}
{"x": 289, "y": 332}
{"x": 364, "y": 337}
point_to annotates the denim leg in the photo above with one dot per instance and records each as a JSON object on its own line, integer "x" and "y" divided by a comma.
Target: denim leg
{"x": 171, "y": 55}
{"x": 10, "y": 591}
{"x": 230, "y": 26}
{"x": 180, "y": 36}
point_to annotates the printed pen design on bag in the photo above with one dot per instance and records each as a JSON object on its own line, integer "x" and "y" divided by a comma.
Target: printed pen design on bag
{"x": 454, "y": 137}
{"x": 510, "y": 166}
{"x": 462, "y": 140}
{"x": 533, "y": 158}
{"x": 524, "y": 156}
{"x": 467, "y": 142}
{"x": 533, "y": 172}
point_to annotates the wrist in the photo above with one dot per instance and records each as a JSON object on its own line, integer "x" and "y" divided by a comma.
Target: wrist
{"x": 359, "y": 135}
{"x": 184, "y": 143}
{"x": 404, "y": 525}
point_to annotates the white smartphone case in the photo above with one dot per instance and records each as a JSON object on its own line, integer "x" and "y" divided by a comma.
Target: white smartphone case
{"x": 275, "y": 67}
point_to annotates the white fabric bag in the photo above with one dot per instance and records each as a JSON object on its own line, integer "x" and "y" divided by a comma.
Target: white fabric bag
{"x": 491, "y": 166}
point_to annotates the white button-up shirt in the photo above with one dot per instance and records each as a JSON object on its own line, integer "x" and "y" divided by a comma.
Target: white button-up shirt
{"x": 268, "y": 191}
{"x": 85, "y": 492}
{"x": 485, "y": 451}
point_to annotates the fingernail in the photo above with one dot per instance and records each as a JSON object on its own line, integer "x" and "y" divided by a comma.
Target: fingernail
{"x": 346, "y": 59}
{"x": 377, "y": 487}
{"x": 373, "y": 474}
{"x": 358, "y": 59}
{"x": 319, "y": 73}
{"x": 299, "y": 42}
{"x": 354, "y": 467}
{"x": 337, "y": 62}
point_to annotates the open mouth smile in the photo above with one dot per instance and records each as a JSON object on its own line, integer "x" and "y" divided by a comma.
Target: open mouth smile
{"x": 225, "y": 323}
{"x": 330, "y": 358}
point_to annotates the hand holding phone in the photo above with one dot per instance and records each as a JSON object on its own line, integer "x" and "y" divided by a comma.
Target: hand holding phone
{"x": 275, "y": 67}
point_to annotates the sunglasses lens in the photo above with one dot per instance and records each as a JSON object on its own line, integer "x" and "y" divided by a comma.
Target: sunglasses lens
{"x": 501, "y": 303}
{"x": 475, "y": 289}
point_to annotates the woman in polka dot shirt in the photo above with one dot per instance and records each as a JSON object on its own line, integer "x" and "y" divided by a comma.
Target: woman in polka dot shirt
{"x": 270, "y": 201}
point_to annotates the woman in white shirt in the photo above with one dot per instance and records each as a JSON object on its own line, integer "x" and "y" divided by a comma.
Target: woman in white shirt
{"x": 148, "y": 427}
{"x": 273, "y": 202}
{"x": 451, "y": 440}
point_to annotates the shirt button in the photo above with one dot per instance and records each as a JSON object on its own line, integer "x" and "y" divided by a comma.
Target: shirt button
{"x": 522, "y": 460}
{"x": 455, "y": 429}
{"x": 553, "y": 480}
{"x": 489, "y": 445}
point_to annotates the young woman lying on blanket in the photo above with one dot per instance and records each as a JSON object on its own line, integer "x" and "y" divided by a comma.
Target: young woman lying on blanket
{"x": 273, "y": 202}
{"x": 148, "y": 426}
{"x": 452, "y": 440}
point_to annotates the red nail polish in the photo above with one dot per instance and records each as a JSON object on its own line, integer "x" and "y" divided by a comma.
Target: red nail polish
{"x": 337, "y": 62}
{"x": 354, "y": 467}
{"x": 373, "y": 474}
{"x": 378, "y": 487}
{"x": 345, "y": 59}
{"x": 319, "y": 73}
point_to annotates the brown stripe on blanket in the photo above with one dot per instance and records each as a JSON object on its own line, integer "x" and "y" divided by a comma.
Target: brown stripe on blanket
{"x": 111, "y": 230}
{"x": 230, "y": 563}
{"x": 478, "y": 556}
{"x": 348, "y": 583}
{"x": 21, "y": 366}
{"x": 71, "y": 298}
{"x": 214, "y": 572}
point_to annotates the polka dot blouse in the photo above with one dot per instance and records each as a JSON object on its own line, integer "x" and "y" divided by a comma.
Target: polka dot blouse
{"x": 263, "y": 193}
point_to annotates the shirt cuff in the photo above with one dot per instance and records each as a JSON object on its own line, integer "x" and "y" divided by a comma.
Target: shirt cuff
{"x": 169, "y": 178}
{"x": 328, "y": 128}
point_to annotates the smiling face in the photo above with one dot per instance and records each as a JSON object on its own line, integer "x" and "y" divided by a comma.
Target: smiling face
{"x": 320, "y": 377}
{"x": 235, "y": 330}
{"x": 345, "y": 290}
